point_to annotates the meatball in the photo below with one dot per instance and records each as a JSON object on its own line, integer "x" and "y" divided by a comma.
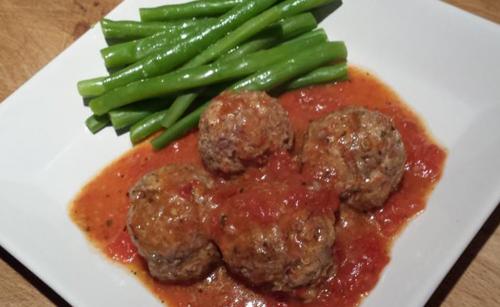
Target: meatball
{"x": 240, "y": 129}
{"x": 358, "y": 152}
{"x": 296, "y": 252}
{"x": 277, "y": 235}
{"x": 164, "y": 221}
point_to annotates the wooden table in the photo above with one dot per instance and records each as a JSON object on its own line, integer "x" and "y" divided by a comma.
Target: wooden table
{"x": 32, "y": 32}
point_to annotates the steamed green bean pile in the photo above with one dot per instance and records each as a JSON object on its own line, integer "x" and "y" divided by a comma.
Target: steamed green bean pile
{"x": 167, "y": 66}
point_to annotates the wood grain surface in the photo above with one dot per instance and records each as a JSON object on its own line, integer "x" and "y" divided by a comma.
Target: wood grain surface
{"x": 32, "y": 32}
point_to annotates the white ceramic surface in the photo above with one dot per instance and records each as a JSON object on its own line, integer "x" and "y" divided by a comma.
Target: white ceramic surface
{"x": 442, "y": 61}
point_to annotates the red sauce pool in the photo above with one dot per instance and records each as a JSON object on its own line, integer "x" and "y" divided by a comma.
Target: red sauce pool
{"x": 363, "y": 241}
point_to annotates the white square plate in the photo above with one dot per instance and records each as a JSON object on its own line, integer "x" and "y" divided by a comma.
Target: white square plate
{"x": 442, "y": 61}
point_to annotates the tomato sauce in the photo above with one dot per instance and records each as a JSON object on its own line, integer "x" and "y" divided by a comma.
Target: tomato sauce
{"x": 363, "y": 241}
{"x": 265, "y": 194}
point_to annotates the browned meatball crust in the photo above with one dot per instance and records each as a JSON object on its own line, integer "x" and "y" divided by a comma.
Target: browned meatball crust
{"x": 359, "y": 152}
{"x": 296, "y": 252}
{"x": 164, "y": 221}
{"x": 242, "y": 128}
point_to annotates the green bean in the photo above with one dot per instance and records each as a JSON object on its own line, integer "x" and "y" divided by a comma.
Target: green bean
{"x": 287, "y": 28}
{"x": 298, "y": 64}
{"x": 258, "y": 43}
{"x": 129, "y": 30}
{"x": 178, "y": 107}
{"x": 253, "y": 26}
{"x": 189, "y": 78}
{"x": 130, "y": 52}
{"x": 266, "y": 79}
{"x": 179, "y": 129}
{"x": 127, "y": 116}
{"x": 337, "y": 72}
{"x": 91, "y": 87}
{"x": 146, "y": 126}
{"x": 166, "y": 60}
{"x": 296, "y": 25}
{"x": 188, "y": 10}
{"x": 96, "y": 123}
{"x": 248, "y": 29}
